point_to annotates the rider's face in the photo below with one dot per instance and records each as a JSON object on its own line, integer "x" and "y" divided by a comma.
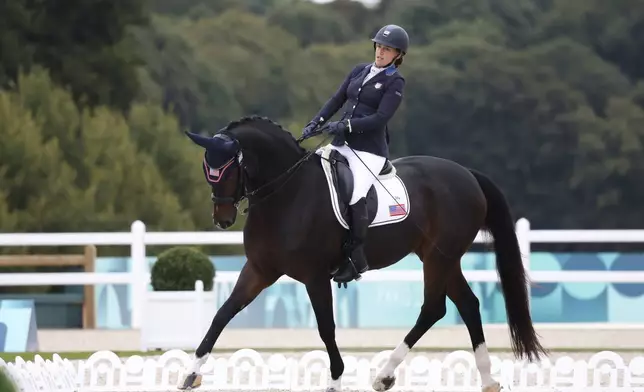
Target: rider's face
{"x": 384, "y": 55}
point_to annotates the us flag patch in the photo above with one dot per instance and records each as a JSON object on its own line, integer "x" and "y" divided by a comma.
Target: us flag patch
{"x": 397, "y": 210}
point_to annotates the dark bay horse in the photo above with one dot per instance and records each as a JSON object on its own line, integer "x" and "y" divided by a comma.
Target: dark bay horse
{"x": 291, "y": 229}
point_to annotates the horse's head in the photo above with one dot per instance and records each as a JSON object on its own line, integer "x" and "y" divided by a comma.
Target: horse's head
{"x": 233, "y": 159}
{"x": 222, "y": 168}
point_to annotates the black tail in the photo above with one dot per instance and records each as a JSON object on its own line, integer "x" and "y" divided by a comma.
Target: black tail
{"x": 509, "y": 265}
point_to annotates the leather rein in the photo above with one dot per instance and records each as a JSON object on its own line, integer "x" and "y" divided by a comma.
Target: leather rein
{"x": 241, "y": 191}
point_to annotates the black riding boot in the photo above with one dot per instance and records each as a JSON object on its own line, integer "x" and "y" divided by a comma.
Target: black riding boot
{"x": 355, "y": 252}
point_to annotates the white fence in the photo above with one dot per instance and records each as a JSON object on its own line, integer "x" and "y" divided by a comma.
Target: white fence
{"x": 248, "y": 370}
{"x": 138, "y": 238}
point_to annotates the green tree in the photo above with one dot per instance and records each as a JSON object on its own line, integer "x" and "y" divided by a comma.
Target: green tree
{"x": 312, "y": 23}
{"x": 36, "y": 181}
{"x": 249, "y": 54}
{"x": 608, "y": 167}
{"x": 195, "y": 91}
{"x": 84, "y": 45}
{"x": 71, "y": 170}
{"x": 615, "y": 30}
{"x": 177, "y": 159}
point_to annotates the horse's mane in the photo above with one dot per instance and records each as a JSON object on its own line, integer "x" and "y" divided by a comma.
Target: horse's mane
{"x": 269, "y": 126}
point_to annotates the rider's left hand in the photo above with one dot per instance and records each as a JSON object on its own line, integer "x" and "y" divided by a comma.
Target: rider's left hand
{"x": 337, "y": 127}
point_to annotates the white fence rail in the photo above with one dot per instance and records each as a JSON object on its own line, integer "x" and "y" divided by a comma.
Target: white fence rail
{"x": 138, "y": 238}
{"x": 249, "y": 370}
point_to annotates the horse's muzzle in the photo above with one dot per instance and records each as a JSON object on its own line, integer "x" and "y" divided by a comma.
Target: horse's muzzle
{"x": 224, "y": 224}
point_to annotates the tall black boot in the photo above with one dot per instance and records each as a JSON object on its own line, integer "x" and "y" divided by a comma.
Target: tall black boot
{"x": 357, "y": 233}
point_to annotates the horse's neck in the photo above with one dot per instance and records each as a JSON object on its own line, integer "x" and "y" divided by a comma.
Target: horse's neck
{"x": 284, "y": 191}
{"x": 271, "y": 162}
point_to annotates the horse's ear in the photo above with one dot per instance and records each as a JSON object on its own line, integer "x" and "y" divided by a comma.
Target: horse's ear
{"x": 204, "y": 142}
{"x": 211, "y": 143}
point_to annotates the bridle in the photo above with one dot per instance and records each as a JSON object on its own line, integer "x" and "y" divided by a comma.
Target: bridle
{"x": 241, "y": 190}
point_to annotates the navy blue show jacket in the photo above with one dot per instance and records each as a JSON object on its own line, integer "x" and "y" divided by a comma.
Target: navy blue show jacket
{"x": 368, "y": 108}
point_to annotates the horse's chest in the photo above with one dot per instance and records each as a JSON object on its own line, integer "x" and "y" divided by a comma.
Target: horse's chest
{"x": 266, "y": 238}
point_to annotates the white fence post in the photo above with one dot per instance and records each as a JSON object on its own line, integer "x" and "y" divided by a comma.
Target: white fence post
{"x": 523, "y": 235}
{"x": 199, "y": 308}
{"x": 137, "y": 278}
{"x": 138, "y": 272}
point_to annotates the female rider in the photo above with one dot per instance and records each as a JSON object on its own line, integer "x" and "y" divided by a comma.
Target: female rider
{"x": 371, "y": 94}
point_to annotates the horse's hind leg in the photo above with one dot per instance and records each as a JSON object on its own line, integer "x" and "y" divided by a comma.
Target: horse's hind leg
{"x": 436, "y": 269}
{"x": 249, "y": 284}
{"x": 467, "y": 304}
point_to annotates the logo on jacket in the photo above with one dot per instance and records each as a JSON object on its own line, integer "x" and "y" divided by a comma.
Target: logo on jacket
{"x": 378, "y": 85}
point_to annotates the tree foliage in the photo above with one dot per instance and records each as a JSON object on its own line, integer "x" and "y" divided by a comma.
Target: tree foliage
{"x": 83, "y": 44}
{"x": 546, "y": 96}
{"x": 66, "y": 169}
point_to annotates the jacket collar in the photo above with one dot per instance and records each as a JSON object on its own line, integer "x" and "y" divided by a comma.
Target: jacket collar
{"x": 389, "y": 71}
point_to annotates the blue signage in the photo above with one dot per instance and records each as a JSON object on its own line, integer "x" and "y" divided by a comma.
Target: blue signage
{"x": 362, "y": 304}
{"x": 18, "y": 329}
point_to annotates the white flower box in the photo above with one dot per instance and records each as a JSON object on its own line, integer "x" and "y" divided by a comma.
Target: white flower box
{"x": 176, "y": 319}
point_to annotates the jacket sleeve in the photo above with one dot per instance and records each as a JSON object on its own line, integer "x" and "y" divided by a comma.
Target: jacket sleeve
{"x": 389, "y": 103}
{"x": 337, "y": 100}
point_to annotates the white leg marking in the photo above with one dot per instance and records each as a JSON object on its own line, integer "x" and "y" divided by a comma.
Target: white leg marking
{"x": 387, "y": 372}
{"x": 335, "y": 385}
{"x": 197, "y": 363}
{"x": 484, "y": 365}
{"x": 196, "y": 369}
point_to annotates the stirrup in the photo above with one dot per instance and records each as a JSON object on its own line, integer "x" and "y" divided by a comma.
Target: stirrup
{"x": 350, "y": 273}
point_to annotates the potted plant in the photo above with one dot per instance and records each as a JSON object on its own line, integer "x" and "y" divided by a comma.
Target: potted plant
{"x": 6, "y": 382}
{"x": 181, "y": 305}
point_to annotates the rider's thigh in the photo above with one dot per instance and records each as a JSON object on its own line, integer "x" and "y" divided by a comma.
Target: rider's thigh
{"x": 365, "y": 167}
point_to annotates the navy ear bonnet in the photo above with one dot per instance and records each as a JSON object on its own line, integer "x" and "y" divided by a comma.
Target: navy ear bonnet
{"x": 221, "y": 153}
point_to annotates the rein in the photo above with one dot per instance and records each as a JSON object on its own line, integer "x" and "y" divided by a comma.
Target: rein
{"x": 291, "y": 170}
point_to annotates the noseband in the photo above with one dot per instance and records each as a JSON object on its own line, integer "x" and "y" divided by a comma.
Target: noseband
{"x": 239, "y": 190}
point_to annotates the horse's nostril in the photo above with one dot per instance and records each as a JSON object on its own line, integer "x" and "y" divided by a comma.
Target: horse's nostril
{"x": 224, "y": 224}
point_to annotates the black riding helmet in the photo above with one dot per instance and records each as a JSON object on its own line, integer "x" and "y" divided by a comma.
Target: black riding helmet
{"x": 393, "y": 36}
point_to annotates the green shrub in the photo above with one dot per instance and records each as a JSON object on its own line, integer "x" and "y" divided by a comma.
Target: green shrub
{"x": 178, "y": 268}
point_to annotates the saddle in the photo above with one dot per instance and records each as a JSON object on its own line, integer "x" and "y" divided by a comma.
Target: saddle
{"x": 387, "y": 199}
{"x": 343, "y": 182}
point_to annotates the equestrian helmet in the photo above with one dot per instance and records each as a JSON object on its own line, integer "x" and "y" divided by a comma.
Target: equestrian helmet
{"x": 393, "y": 36}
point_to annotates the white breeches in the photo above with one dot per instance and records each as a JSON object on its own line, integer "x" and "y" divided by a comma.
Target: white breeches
{"x": 363, "y": 179}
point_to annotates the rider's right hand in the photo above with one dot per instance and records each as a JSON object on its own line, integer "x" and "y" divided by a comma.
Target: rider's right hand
{"x": 309, "y": 129}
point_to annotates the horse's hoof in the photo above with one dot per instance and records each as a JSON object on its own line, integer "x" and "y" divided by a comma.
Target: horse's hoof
{"x": 384, "y": 384}
{"x": 335, "y": 385}
{"x": 496, "y": 387}
{"x": 193, "y": 380}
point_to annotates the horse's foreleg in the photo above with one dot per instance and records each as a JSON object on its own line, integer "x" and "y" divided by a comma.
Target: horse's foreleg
{"x": 435, "y": 272}
{"x": 248, "y": 286}
{"x": 467, "y": 304}
{"x": 321, "y": 298}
